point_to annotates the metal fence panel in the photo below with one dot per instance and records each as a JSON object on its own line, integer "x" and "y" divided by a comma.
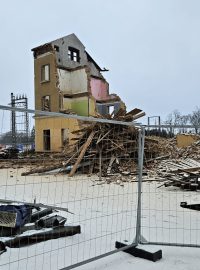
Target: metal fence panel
{"x": 164, "y": 221}
{"x": 101, "y": 197}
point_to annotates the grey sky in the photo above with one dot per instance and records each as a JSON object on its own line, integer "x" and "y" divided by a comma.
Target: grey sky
{"x": 152, "y": 47}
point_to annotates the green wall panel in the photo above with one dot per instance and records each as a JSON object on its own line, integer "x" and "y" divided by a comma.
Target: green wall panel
{"x": 80, "y": 107}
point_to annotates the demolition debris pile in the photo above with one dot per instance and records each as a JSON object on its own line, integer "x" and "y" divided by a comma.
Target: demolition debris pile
{"x": 179, "y": 167}
{"x": 182, "y": 173}
{"x": 168, "y": 147}
{"x": 192, "y": 151}
{"x": 111, "y": 151}
{"x": 103, "y": 148}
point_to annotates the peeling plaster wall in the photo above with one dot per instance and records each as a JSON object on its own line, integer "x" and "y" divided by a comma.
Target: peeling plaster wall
{"x": 99, "y": 89}
{"x": 73, "y": 82}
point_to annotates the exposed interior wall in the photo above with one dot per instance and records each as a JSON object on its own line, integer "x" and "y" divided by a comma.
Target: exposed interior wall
{"x": 84, "y": 106}
{"x": 55, "y": 125}
{"x": 73, "y": 82}
{"x": 92, "y": 107}
{"x": 67, "y": 103}
{"x": 103, "y": 108}
{"x": 184, "y": 140}
{"x": 94, "y": 71}
{"x": 99, "y": 89}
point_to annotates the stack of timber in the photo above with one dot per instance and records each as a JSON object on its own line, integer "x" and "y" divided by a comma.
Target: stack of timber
{"x": 101, "y": 148}
{"x": 106, "y": 149}
{"x": 183, "y": 173}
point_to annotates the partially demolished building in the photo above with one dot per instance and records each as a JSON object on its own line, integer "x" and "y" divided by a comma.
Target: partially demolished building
{"x": 67, "y": 80}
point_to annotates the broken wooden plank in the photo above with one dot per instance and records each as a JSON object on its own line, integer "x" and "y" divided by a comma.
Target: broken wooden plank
{"x": 41, "y": 170}
{"x": 139, "y": 115}
{"x": 80, "y": 157}
{"x": 134, "y": 111}
{"x": 100, "y": 139}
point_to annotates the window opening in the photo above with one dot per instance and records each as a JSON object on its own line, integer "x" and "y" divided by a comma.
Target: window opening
{"x": 73, "y": 54}
{"x": 65, "y": 136}
{"x": 45, "y": 73}
{"x": 46, "y": 103}
{"x": 46, "y": 139}
{"x": 111, "y": 109}
{"x": 56, "y": 48}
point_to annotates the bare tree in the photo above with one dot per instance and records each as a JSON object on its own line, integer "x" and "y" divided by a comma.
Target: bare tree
{"x": 176, "y": 119}
{"x": 173, "y": 119}
{"x": 183, "y": 120}
{"x": 195, "y": 119}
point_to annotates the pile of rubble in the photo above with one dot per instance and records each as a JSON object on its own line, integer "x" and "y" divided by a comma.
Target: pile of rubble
{"x": 102, "y": 148}
{"x": 192, "y": 151}
{"x": 183, "y": 173}
{"x": 168, "y": 147}
{"x": 111, "y": 152}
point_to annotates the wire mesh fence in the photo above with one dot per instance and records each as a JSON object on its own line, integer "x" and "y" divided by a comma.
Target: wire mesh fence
{"x": 164, "y": 221}
{"x": 170, "y": 203}
{"x": 84, "y": 174}
{"x": 84, "y": 187}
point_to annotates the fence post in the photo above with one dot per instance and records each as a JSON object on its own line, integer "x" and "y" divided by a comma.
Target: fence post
{"x": 141, "y": 137}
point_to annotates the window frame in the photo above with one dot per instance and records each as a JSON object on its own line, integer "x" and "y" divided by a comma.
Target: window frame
{"x": 43, "y": 73}
{"x": 74, "y": 54}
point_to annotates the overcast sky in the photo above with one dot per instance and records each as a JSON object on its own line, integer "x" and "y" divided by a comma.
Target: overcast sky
{"x": 151, "y": 47}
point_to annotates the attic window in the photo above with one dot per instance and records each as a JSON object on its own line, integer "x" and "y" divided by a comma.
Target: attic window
{"x": 73, "y": 54}
{"x": 56, "y": 48}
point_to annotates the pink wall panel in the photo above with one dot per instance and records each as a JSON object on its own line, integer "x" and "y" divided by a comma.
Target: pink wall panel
{"x": 99, "y": 89}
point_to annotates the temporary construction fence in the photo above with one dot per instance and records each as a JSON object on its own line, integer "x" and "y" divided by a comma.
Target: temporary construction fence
{"x": 92, "y": 175}
{"x": 171, "y": 204}
{"x": 91, "y": 182}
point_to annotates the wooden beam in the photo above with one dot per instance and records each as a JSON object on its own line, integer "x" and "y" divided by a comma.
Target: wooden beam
{"x": 134, "y": 111}
{"x": 139, "y": 115}
{"x": 80, "y": 157}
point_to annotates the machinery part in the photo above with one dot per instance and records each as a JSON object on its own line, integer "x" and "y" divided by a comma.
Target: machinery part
{"x": 49, "y": 222}
{"x": 39, "y": 214}
{"x": 195, "y": 206}
{"x": 26, "y": 240}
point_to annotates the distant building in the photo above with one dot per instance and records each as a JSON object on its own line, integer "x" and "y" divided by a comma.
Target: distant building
{"x": 67, "y": 79}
